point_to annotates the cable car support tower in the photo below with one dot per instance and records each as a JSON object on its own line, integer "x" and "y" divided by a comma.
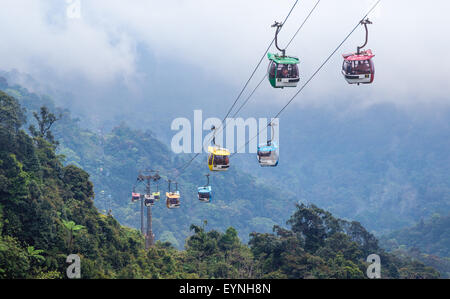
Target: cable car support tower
{"x": 147, "y": 176}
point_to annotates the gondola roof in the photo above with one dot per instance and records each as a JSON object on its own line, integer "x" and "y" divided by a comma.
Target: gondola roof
{"x": 365, "y": 55}
{"x": 283, "y": 60}
{"x": 267, "y": 148}
{"x": 218, "y": 151}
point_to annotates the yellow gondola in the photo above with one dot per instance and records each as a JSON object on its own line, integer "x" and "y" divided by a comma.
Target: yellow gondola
{"x": 156, "y": 196}
{"x": 172, "y": 200}
{"x": 218, "y": 159}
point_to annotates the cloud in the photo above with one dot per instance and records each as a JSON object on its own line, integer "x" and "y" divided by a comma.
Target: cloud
{"x": 227, "y": 38}
{"x": 37, "y": 37}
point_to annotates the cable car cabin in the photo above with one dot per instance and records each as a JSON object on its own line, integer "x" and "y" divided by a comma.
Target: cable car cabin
{"x": 173, "y": 200}
{"x": 149, "y": 201}
{"x": 135, "y": 197}
{"x": 156, "y": 196}
{"x": 218, "y": 159}
{"x": 268, "y": 155}
{"x": 359, "y": 68}
{"x": 283, "y": 71}
{"x": 205, "y": 194}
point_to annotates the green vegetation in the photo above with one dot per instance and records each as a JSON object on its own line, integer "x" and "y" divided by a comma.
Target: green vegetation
{"x": 40, "y": 199}
{"x": 113, "y": 160}
{"x": 47, "y": 212}
{"x": 321, "y": 246}
{"x": 383, "y": 165}
{"x": 354, "y": 167}
{"x": 428, "y": 242}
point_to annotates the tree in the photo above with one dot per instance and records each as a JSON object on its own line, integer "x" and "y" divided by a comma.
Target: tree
{"x": 12, "y": 116}
{"x": 310, "y": 223}
{"x": 36, "y": 259}
{"x": 45, "y": 120}
{"x": 35, "y": 254}
{"x": 229, "y": 240}
{"x": 14, "y": 262}
{"x": 72, "y": 227}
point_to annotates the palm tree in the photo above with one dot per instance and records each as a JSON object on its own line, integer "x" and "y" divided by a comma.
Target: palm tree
{"x": 72, "y": 227}
{"x": 35, "y": 254}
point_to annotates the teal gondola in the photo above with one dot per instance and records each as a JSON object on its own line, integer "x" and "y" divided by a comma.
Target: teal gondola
{"x": 268, "y": 155}
{"x": 205, "y": 192}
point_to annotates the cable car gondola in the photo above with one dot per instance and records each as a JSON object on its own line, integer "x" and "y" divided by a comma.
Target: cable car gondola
{"x": 282, "y": 70}
{"x": 156, "y": 195}
{"x": 358, "y": 68}
{"x": 205, "y": 192}
{"x": 135, "y": 197}
{"x": 268, "y": 155}
{"x": 218, "y": 158}
{"x": 149, "y": 200}
{"x": 173, "y": 198}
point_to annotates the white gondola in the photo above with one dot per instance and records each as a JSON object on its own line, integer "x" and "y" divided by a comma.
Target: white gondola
{"x": 149, "y": 200}
{"x": 268, "y": 154}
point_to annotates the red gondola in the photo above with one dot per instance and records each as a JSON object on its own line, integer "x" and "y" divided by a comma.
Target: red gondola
{"x": 135, "y": 196}
{"x": 358, "y": 68}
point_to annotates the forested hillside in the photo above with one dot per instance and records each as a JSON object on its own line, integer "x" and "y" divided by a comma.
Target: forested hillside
{"x": 427, "y": 241}
{"x": 114, "y": 158}
{"x": 47, "y": 212}
{"x": 383, "y": 165}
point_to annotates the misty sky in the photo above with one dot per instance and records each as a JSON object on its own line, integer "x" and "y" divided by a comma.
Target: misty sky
{"x": 224, "y": 39}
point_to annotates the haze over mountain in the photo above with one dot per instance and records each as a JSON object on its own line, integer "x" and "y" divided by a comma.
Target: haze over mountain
{"x": 139, "y": 60}
{"x": 382, "y": 166}
{"x": 378, "y": 154}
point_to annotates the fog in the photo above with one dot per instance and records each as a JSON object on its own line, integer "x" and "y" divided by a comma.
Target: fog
{"x": 140, "y": 51}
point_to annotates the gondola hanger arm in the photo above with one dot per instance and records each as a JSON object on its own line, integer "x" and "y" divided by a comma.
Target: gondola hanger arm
{"x": 278, "y": 25}
{"x": 364, "y": 22}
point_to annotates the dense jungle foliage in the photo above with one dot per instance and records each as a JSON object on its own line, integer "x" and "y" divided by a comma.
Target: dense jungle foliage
{"x": 47, "y": 212}
{"x": 114, "y": 158}
{"x": 428, "y": 241}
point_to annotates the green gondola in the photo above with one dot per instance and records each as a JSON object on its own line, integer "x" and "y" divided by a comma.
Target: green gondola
{"x": 283, "y": 71}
